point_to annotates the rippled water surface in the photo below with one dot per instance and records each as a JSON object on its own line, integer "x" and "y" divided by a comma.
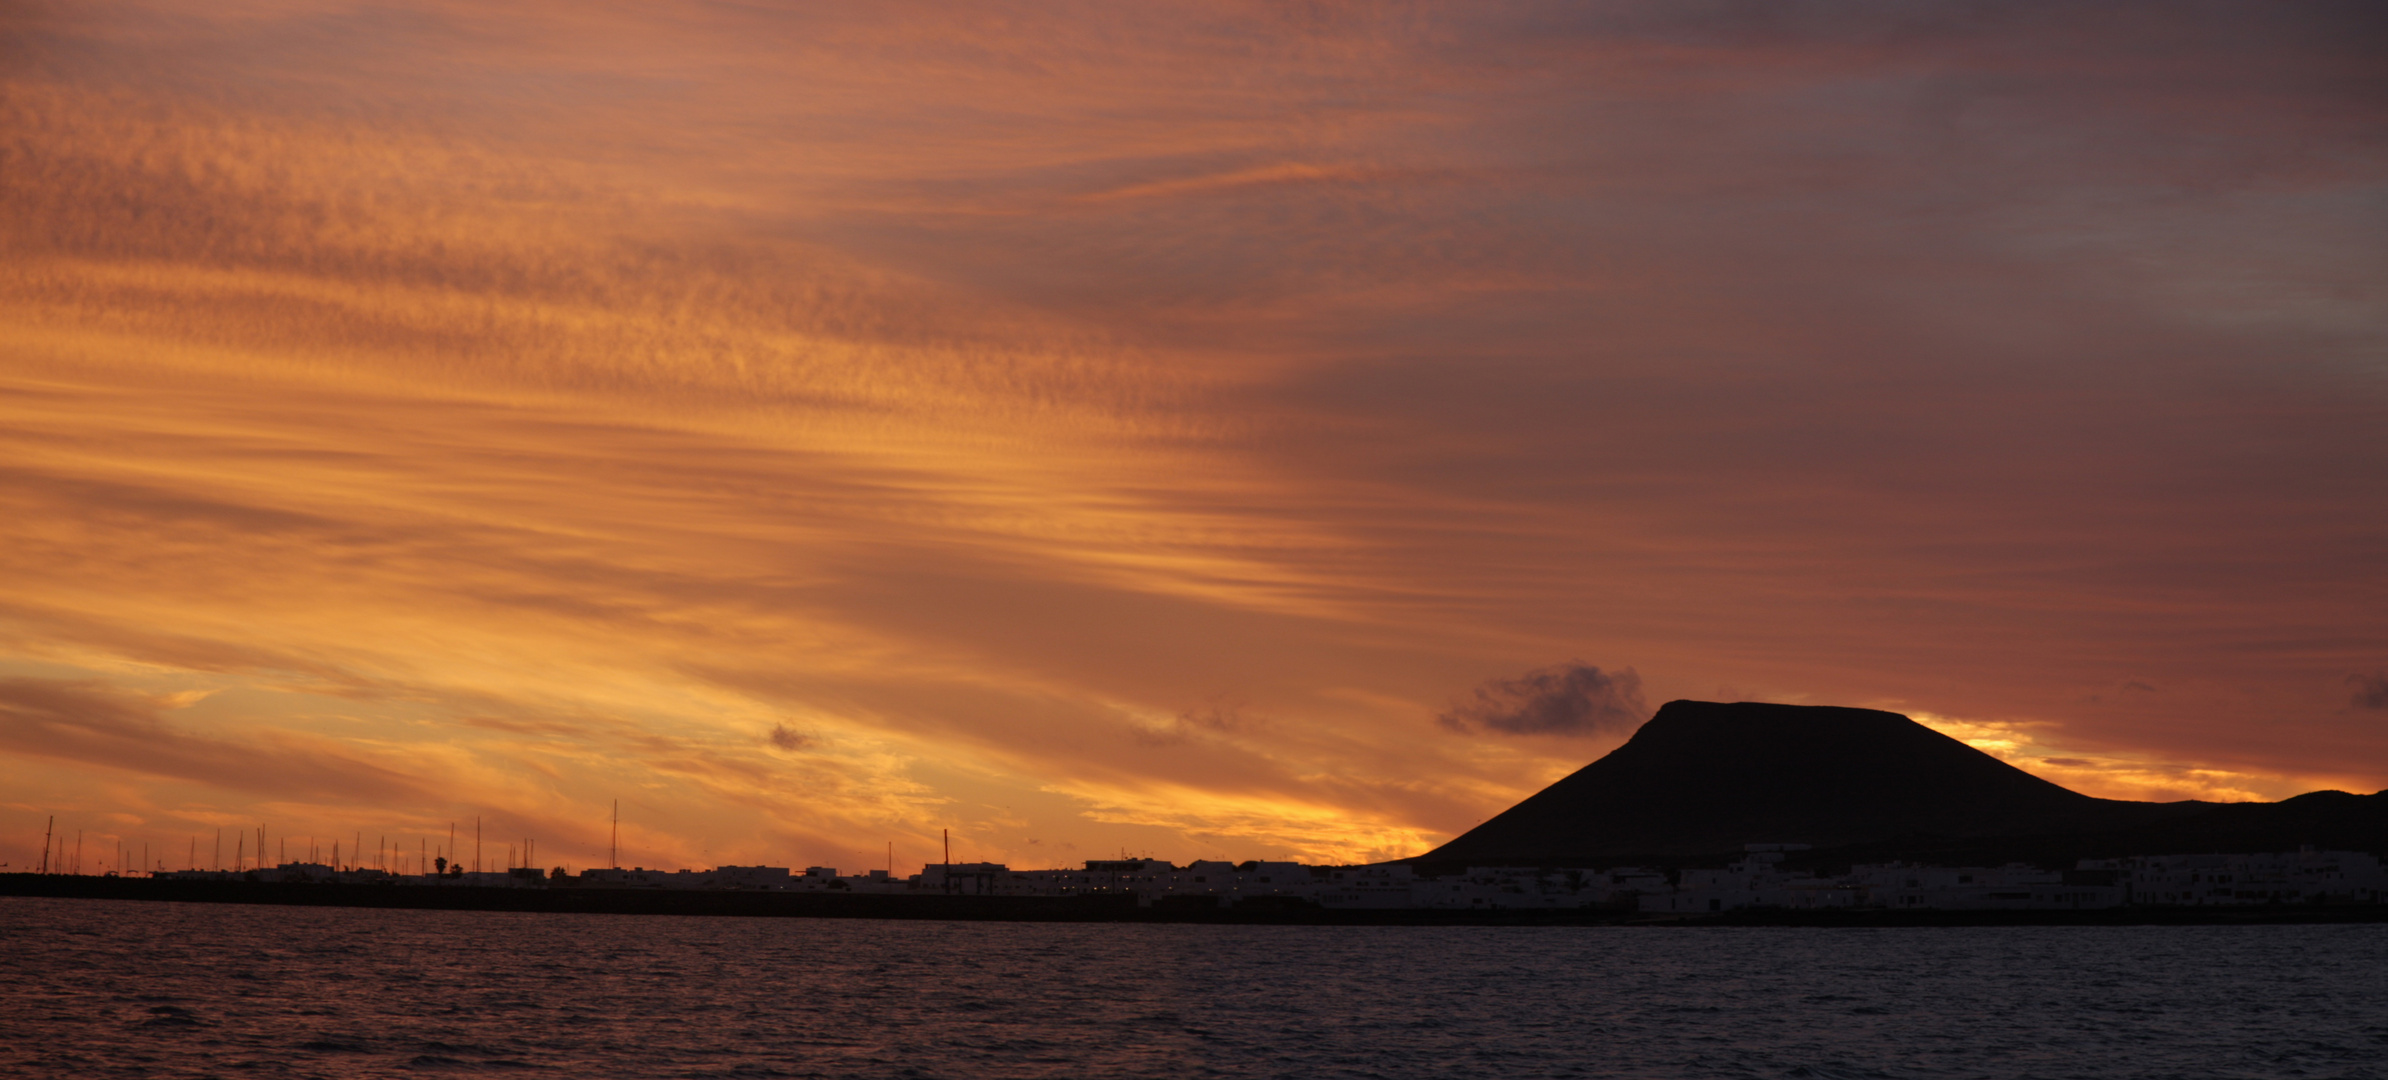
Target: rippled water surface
{"x": 121, "y": 988}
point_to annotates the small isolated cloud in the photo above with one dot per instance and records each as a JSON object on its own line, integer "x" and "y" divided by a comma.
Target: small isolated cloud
{"x": 788, "y": 738}
{"x": 2371, "y": 691}
{"x": 2069, "y": 762}
{"x": 1216, "y": 719}
{"x": 1574, "y": 698}
{"x": 2138, "y": 686}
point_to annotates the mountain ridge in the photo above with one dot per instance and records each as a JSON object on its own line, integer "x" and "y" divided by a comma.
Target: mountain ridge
{"x": 1701, "y": 779}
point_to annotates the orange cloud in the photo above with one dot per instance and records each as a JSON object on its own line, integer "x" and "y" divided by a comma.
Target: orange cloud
{"x": 1096, "y": 428}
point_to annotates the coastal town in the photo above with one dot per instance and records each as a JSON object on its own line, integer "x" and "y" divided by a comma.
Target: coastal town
{"x": 1757, "y": 880}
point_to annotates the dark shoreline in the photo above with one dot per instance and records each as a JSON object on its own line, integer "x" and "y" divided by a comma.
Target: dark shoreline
{"x": 1110, "y": 909}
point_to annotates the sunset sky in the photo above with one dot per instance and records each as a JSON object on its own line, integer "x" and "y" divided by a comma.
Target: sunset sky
{"x": 1209, "y": 430}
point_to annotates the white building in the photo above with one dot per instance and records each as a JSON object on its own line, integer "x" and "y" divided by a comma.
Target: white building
{"x": 2267, "y": 878}
{"x": 1973, "y": 888}
{"x": 1495, "y": 888}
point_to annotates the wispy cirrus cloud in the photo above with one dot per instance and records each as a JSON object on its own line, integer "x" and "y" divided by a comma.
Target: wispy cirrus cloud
{"x": 579, "y": 396}
{"x": 92, "y": 725}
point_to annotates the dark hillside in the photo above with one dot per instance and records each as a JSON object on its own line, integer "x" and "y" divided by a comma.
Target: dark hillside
{"x": 1702, "y": 778}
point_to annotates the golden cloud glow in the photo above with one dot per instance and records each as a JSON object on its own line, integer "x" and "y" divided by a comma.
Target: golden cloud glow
{"x": 1090, "y": 429}
{"x": 2040, "y": 748}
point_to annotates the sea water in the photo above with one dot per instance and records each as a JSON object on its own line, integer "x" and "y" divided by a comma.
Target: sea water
{"x": 123, "y": 988}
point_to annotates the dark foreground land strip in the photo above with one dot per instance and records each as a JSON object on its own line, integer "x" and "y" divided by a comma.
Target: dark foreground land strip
{"x": 1099, "y": 908}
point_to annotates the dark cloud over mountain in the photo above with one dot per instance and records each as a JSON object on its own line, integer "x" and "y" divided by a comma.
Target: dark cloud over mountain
{"x": 1574, "y": 698}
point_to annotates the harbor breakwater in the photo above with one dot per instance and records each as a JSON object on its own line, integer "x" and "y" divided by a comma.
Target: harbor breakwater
{"x": 1120, "y": 908}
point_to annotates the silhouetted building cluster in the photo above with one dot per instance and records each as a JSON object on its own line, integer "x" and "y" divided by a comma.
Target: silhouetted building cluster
{"x": 1757, "y": 880}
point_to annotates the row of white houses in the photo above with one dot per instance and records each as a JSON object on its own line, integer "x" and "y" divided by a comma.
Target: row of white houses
{"x": 1757, "y": 880}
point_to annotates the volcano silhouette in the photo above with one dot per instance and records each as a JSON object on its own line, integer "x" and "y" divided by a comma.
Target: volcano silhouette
{"x": 1704, "y": 778}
